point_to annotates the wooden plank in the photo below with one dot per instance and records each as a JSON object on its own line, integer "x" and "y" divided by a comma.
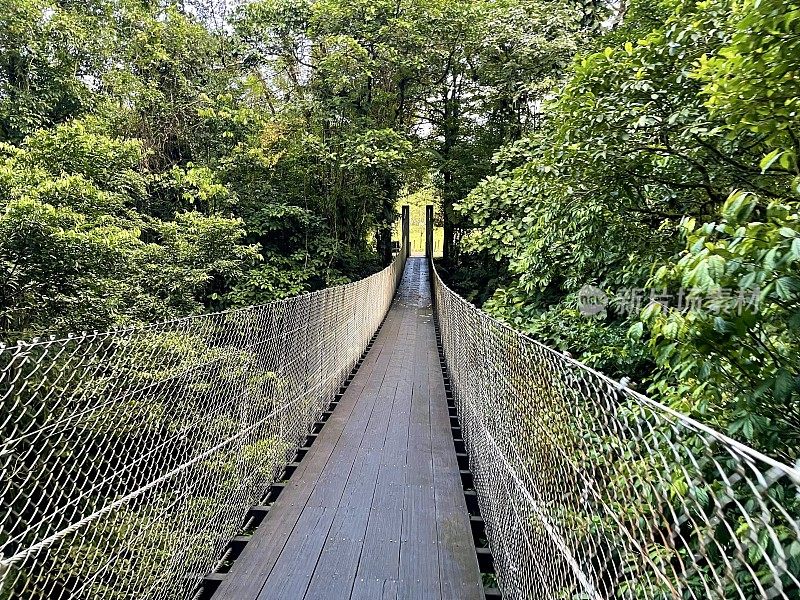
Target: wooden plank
{"x": 293, "y": 572}
{"x": 336, "y": 571}
{"x": 419, "y": 561}
{"x": 376, "y": 510}
{"x": 252, "y": 568}
{"x": 458, "y": 566}
{"x": 379, "y": 565}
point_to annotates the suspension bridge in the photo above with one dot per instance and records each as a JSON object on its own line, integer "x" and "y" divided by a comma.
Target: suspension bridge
{"x": 380, "y": 439}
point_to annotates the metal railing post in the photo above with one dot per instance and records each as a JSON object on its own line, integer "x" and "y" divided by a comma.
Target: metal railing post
{"x": 429, "y": 231}
{"x": 406, "y": 234}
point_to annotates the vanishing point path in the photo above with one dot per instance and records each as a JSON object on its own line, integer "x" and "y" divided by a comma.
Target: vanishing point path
{"x": 376, "y": 509}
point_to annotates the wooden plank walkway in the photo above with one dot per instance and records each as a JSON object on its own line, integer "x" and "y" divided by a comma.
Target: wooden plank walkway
{"x": 376, "y": 509}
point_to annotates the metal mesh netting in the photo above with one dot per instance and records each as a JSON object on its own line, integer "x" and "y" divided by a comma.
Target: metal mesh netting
{"x": 130, "y": 458}
{"x": 592, "y": 491}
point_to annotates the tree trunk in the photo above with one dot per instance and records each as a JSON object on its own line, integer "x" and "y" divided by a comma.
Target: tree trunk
{"x": 384, "y": 239}
{"x": 450, "y": 134}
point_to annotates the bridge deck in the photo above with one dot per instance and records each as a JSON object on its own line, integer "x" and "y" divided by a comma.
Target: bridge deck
{"x": 376, "y": 509}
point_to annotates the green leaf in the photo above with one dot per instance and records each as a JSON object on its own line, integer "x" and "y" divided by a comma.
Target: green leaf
{"x": 795, "y": 251}
{"x": 770, "y": 159}
{"x": 784, "y": 384}
{"x": 747, "y": 429}
{"x": 788, "y": 232}
{"x": 785, "y": 287}
{"x": 636, "y": 330}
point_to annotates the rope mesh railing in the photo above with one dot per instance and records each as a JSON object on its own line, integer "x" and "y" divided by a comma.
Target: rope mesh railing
{"x": 130, "y": 458}
{"x": 591, "y": 491}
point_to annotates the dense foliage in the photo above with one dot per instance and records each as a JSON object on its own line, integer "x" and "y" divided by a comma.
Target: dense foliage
{"x": 160, "y": 158}
{"x": 150, "y": 170}
{"x": 667, "y": 173}
{"x": 164, "y": 158}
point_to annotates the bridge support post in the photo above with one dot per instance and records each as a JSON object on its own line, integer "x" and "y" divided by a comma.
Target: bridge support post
{"x": 405, "y": 236}
{"x": 429, "y": 231}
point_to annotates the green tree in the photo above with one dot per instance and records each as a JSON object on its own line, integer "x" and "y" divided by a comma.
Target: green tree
{"x": 75, "y": 252}
{"x": 491, "y": 65}
{"x": 657, "y": 130}
{"x": 50, "y": 57}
